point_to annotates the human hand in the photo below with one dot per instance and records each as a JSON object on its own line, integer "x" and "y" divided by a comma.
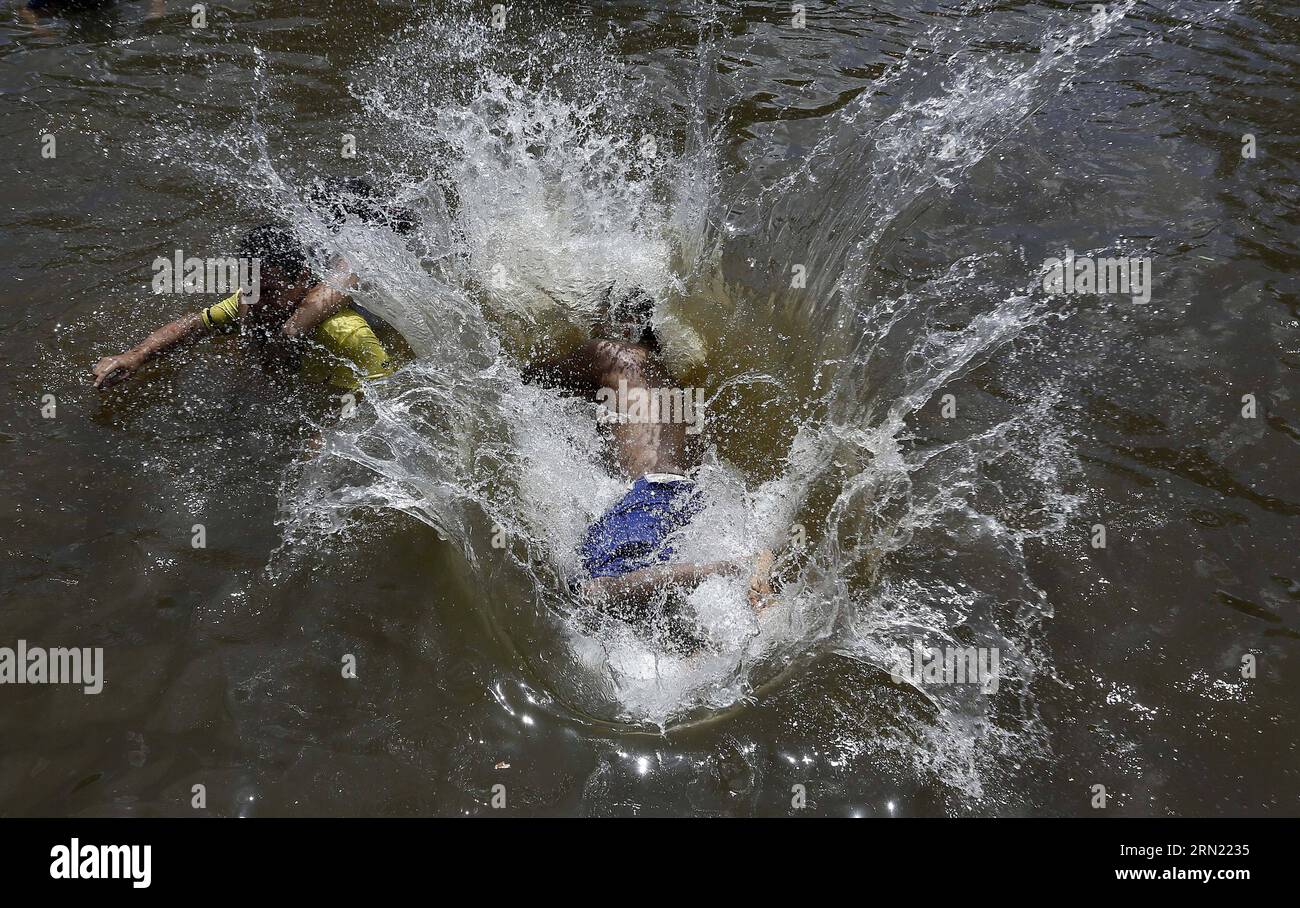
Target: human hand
{"x": 112, "y": 369}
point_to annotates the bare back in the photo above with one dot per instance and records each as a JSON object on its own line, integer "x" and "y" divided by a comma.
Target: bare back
{"x": 641, "y": 447}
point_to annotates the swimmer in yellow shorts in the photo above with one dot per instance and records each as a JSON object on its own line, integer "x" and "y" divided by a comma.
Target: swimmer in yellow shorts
{"x": 293, "y": 312}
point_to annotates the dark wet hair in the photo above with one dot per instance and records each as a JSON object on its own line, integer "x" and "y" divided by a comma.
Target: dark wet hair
{"x": 275, "y": 246}
{"x": 632, "y": 308}
{"x": 362, "y": 199}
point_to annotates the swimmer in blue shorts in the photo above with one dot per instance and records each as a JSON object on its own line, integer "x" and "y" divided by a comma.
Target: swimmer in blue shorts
{"x": 627, "y": 553}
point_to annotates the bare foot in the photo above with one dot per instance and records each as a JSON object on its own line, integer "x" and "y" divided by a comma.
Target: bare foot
{"x": 760, "y": 582}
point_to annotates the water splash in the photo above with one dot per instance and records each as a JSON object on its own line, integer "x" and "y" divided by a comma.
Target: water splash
{"x": 537, "y": 188}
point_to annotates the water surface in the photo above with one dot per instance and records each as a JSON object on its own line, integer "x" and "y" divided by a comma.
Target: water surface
{"x": 918, "y": 160}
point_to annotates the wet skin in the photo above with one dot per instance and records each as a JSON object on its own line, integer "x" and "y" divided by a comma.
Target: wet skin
{"x": 641, "y": 447}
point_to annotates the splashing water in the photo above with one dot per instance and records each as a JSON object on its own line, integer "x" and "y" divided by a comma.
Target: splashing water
{"x": 542, "y": 177}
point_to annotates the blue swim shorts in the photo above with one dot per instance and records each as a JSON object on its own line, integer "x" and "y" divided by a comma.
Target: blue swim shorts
{"x": 635, "y": 532}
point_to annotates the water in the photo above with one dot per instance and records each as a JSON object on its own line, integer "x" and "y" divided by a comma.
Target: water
{"x": 918, "y": 163}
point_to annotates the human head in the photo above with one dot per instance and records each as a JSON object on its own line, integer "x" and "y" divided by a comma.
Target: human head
{"x": 283, "y": 268}
{"x": 626, "y": 315}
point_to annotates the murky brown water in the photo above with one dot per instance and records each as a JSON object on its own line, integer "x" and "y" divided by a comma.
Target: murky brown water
{"x": 1070, "y": 413}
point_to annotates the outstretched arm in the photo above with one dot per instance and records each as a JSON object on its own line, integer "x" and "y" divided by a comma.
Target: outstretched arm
{"x": 323, "y": 300}
{"x": 112, "y": 369}
{"x": 639, "y": 587}
{"x": 636, "y": 588}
